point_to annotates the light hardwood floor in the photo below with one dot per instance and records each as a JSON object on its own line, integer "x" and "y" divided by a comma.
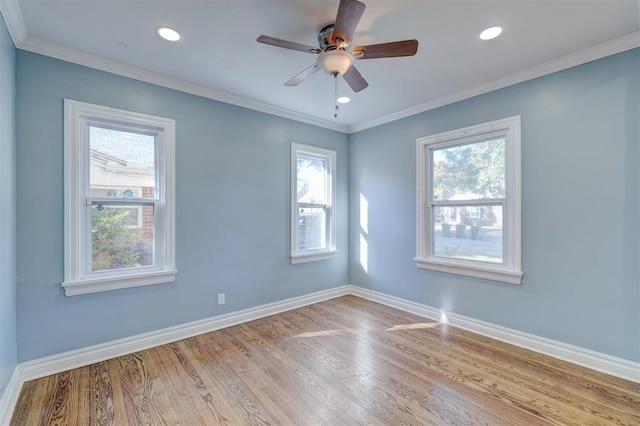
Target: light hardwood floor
{"x": 341, "y": 362}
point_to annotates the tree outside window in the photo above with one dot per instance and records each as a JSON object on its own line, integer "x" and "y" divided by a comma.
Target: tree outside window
{"x": 469, "y": 201}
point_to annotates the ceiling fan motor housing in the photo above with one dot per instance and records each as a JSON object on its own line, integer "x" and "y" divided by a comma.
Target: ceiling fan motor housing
{"x": 324, "y": 40}
{"x": 334, "y": 59}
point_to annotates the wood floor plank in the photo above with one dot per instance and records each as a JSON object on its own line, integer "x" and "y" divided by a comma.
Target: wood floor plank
{"x": 311, "y": 390}
{"x": 346, "y": 361}
{"x": 43, "y": 401}
{"x": 225, "y": 369}
{"x": 191, "y": 396}
{"x": 505, "y": 383}
{"x": 29, "y": 402}
{"x": 291, "y": 391}
{"x": 120, "y": 413}
{"x": 393, "y": 353}
{"x": 100, "y": 394}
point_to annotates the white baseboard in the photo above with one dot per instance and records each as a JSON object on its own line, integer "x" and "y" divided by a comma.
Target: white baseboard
{"x": 54, "y": 364}
{"x": 10, "y": 397}
{"x": 614, "y": 366}
{"x": 42, "y": 367}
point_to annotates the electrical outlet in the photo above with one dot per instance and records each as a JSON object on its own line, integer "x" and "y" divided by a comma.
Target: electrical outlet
{"x": 220, "y": 298}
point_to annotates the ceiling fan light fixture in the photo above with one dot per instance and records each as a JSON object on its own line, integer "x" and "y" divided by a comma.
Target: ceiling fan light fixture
{"x": 343, "y": 99}
{"x": 490, "y": 33}
{"x": 335, "y": 61}
{"x": 168, "y": 33}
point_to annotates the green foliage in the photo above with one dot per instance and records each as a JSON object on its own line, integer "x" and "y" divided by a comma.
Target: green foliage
{"x": 476, "y": 169}
{"x": 112, "y": 240}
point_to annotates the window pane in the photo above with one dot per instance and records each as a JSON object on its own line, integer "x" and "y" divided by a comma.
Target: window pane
{"x": 121, "y": 236}
{"x": 459, "y": 234}
{"x": 133, "y": 218}
{"x": 311, "y": 182}
{"x": 122, "y": 164}
{"x": 312, "y": 231}
{"x": 469, "y": 172}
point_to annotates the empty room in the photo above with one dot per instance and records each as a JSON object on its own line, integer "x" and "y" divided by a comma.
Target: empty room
{"x": 320, "y": 212}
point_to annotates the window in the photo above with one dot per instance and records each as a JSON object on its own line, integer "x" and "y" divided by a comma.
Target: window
{"x": 119, "y": 208}
{"x": 312, "y": 203}
{"x": 469, "y": 201}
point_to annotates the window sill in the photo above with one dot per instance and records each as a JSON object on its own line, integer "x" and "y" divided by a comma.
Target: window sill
{"x": 96, "y": 285}
{"x": 486, "y": 272}
{"x": 313, "y": 257}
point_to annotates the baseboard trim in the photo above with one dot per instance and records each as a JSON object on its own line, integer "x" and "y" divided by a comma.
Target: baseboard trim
{"x": 613, "y": 366}
{"x": 54, "y": 364}
{"x": 42, "y": 367}
{"x": 10, "y": 397}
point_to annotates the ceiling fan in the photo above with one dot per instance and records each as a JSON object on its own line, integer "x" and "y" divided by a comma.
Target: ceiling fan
{"x": 334, "y": 53}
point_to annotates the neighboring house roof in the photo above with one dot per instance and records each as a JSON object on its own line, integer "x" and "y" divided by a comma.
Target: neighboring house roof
{"x": 102, "y": 158}
{"x": 123, "y": 151}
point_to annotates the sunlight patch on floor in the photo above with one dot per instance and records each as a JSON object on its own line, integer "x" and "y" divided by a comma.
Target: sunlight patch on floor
{"x": 320, "y": 333}
{"x": 414, "y": 326}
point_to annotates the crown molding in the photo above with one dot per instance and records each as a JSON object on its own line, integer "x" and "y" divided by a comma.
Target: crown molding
{"x": 46, "y": 48}
{"x": 10, "y": 11}
{"x": 599, "y": 51}
{"x": 13, "y": 17}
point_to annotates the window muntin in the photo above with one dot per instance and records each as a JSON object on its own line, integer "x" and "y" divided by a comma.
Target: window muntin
{"x": 119, "y": 182}
{"x": 312, "y": 200}
{"x": 469, "y": 201}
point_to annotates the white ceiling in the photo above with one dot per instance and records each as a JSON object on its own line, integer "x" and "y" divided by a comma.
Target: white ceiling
{"x": 218, "y": 56}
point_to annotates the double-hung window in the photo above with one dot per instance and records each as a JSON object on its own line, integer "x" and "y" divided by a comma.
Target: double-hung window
{"x": 119, "y": 201}
{"x": 312, "y": 203}
{"x": 468, "y": 194}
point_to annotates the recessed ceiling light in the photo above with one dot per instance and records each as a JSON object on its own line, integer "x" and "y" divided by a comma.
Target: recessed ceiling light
{"x": 168, "y": 33}
{"x": 343, "y": 99}
{"x": 491, "y": 33}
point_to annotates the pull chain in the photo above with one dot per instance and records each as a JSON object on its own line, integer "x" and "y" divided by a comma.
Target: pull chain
{"x": 335, "y": 95}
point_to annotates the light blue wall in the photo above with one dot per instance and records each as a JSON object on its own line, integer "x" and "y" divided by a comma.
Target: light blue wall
{"x": 232, "y": 200}
{"x": 581, "y": 210}
{"x": 8, "y": 340}
{"x": 580, "y": 191}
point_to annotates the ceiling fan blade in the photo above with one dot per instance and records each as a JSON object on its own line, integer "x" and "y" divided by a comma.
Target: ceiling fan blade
{"x": 285, "y": 44}
{"x": 349, "y": 14}
{"x": 386, "y": 50}
{"x": 355, "y": 80}
{"x": 304, "y": 74}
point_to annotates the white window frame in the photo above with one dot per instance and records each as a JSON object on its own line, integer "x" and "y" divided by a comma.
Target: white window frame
{"x": 138, "y": 224}
{"x": 78, "y": 278}
{"x": 510, "y": 271}
{"x": 330, "y": 251}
